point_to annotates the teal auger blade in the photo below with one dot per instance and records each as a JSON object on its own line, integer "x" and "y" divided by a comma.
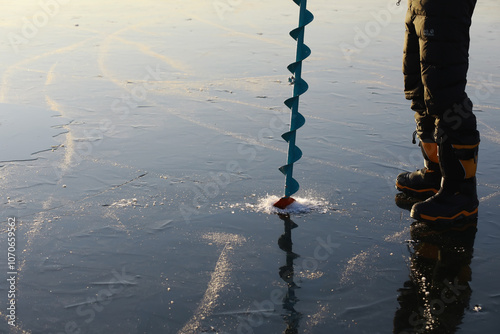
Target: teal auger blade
{"x": 297, "y": 120}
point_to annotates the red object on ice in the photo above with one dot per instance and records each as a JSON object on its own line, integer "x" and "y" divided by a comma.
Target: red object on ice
{"x": 283, "y": 202}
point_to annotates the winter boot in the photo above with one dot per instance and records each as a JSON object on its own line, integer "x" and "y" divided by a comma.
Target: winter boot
{"x": 457, "y": 198}
{"x": 458, "y": 145}
{"x": 425, "y": 182}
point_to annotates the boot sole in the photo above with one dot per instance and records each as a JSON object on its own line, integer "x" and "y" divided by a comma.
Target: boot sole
{"x": 417, "y": 193}
{"x": 464, "y": 214}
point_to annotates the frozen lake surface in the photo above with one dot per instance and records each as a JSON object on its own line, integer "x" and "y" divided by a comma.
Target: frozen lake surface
{"x": 140, "y": 155}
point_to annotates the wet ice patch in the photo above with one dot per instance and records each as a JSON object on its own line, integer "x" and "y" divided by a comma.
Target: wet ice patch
{"x": 224, "y": 238}
{"x": 158, "y": 226}
{"x": 131, "y": 202}
{"x": 301, "y": 205}
{"x": 360, "y": 266}
{"x": 310, "y": 275}
{"x": 27, "y": 130}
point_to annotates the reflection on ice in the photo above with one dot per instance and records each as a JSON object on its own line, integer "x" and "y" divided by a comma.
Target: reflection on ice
{"x": 438, "y": 292}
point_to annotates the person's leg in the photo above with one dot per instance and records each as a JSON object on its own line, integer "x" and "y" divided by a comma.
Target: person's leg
{"x": 444, "y": 41}
{"x": 423, "y": 183}
{"x": 413, "y": 86}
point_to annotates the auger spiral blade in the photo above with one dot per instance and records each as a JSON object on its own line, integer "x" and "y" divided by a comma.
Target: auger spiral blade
{"x": 296, "y": 119}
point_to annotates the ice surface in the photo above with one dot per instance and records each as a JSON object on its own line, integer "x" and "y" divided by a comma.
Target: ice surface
{"x": 27, "y": 130}
{"x": 167, "y": 161}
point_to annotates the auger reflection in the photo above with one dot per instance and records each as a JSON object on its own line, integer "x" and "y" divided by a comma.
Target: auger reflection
{"x": 286, "y": 272}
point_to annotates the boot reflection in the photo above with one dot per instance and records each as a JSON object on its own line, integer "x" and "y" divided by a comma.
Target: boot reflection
{"x": 438, "y": 292}
{"x": 286, "y": 272}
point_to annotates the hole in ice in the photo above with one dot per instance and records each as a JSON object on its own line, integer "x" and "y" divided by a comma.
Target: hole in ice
{"x": 301, "y": 205}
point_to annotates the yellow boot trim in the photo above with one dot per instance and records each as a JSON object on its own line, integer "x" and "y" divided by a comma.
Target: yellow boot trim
{"x": 470, "y": 167}
{"x": 463, "y": 212}
{"x": 464, "y": 147}
{"x": 399, "y": 186}
{"x": 431, "y": 150}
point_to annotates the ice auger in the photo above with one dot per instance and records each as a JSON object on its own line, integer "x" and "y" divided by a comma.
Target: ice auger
{"x": 297, "y": 120}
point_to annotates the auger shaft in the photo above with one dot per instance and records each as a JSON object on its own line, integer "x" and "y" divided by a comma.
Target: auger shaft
{"x": 296, "y": 119}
